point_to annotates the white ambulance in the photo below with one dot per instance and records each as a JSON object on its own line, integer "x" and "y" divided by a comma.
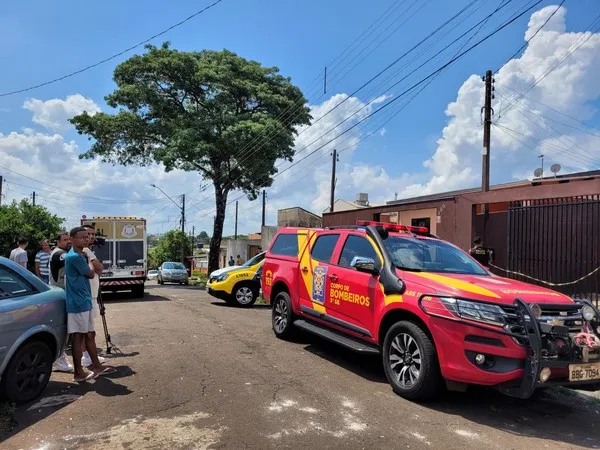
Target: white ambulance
{"x": 123, "y": 248}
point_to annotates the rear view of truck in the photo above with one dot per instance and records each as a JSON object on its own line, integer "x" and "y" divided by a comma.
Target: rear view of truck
{"x": 122, "y": 247}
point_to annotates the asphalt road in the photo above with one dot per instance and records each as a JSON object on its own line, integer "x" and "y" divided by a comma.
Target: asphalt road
{"x": 196, "y": 374}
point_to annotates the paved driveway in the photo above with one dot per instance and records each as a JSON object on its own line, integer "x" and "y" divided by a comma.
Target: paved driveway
{"x": 195, "y": 374}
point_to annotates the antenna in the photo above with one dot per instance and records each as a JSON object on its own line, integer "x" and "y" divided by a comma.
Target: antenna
{"x": 538, "y": 172}
{"x": 555, "y": 168}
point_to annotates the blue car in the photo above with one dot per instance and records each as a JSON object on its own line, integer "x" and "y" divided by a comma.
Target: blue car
{"x": 33, "y": 331}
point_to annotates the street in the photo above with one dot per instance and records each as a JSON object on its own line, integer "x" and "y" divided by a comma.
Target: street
{"x": 196, "y": 373}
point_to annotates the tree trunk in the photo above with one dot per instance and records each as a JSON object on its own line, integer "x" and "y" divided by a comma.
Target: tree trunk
{"x": 217, "y": 235}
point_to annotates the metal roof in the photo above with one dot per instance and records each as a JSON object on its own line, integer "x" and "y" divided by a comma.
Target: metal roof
{"x": 452, "y": 194}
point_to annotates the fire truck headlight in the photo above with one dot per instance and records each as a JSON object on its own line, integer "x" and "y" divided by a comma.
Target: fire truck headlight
{"x": 478, "y": 311}
{"x": 588, "y": 313}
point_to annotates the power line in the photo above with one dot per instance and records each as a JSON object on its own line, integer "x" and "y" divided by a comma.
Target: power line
{"x": 99, "y": 199}
{"x": 116, "y": 55}
{"x": 551, "y": 146}
{"x": 548, "y": 106}
{"x": 251, "y": 153}
{"x": 580, "y": 41}
{"x": 534, "y": 34}
{"x": 423, "y": 80}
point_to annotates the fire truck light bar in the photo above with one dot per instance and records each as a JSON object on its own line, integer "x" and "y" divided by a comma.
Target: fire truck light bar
{"x": 393, "y": 226}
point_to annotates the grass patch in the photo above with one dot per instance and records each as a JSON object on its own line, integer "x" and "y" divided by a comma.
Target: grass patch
{"x": 261, "y": 301}
{"x": 6, "y": 417}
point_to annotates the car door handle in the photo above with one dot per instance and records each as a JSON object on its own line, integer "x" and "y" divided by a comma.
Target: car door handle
{"x": 333, "y": 277}
{"x": 305, "y": 269}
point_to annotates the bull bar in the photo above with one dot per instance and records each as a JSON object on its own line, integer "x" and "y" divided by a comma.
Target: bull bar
{"x": 531, "y": 339}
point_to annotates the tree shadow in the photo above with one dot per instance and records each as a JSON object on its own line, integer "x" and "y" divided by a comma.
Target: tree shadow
{"x": 59, "y": 394}
{"x": 559, "y": 415}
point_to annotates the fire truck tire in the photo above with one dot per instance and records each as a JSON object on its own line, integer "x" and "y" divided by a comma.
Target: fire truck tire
{"x": 410, "y": 362}
{"x": 282, "y": 316}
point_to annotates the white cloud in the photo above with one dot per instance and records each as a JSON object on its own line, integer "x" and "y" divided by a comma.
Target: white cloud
{"x": 70, "y": 187}
{"x": 455, "y": 163}
{"x": 54, "y": 114}
{"x": 570, "y": 88}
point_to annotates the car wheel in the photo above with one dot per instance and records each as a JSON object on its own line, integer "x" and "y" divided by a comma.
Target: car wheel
{"x": 27, "y": 373}
{"x": 244, "y": 295}
{"x": 410, "y": 362}
{"x": 282, "y": 316}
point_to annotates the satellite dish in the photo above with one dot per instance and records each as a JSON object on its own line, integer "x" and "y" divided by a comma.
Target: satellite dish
{"x": 555, "y": 168}
{"x": 538, "y": 172}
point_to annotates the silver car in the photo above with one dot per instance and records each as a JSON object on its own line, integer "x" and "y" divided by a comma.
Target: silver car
{"x": 33, "y": 330}
{"x": 173, "y": 272}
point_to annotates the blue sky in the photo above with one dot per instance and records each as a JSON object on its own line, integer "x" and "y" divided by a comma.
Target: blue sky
{"x": 42, "y": 40}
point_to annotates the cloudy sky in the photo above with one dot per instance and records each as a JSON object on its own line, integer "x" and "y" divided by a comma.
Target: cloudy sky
{"x": 392, "y": 140}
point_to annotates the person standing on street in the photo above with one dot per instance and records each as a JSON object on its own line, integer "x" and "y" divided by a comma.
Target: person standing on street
{"x": 57, "y": 278}
{"x": 231, "y": 261}
{"x": 19, "y": 254}
{"x": 57, "y": 260}
{"x": 481, "y": 254}
{"x": 97, "y": 267}
{"x": 80, "y": 318}
{"x": 42, "y": 262}
{"x": 239, "y": 261}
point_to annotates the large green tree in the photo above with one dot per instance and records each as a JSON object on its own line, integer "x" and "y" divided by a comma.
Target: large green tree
{"x": 228, "y": 118}
{"x": 169, "y": 248}
{"x": 23, "y": 219}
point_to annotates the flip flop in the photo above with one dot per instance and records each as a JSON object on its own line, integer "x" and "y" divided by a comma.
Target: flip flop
{"x": 106, "y": 371}
{"x": 89, "y": 376}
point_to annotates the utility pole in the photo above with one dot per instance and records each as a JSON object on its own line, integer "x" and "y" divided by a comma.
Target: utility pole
{"x": 33, "y": 198}
{"x": 0, "y": 189}
{"x": 236, "y": 215}
{"x": 542, "y": 156}
{"x": 487, "y": 125}
{"x": 263, "y": 204}
{"x": 183, "y": 228}
{"x": 332, "y": 198}
{"x": 193, "y": 238}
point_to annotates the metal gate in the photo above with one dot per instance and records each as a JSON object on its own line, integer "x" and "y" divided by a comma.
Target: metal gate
{"x": 557, "y": 241}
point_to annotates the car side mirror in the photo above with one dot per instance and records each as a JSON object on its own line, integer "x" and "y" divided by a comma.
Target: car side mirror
{"x": 364, "y": 264}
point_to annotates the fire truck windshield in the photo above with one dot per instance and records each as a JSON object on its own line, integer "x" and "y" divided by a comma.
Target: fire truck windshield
{"x": 429, "y": 255}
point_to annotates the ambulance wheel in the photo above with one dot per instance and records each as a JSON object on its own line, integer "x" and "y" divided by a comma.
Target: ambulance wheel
{"x": 410, "y": 362}
{"x": 282, "y": 316}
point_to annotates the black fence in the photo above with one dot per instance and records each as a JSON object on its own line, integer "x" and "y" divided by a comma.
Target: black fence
{"x": 557, "y": 241}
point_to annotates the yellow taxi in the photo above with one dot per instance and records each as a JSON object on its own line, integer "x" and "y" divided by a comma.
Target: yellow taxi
{"x": 237, "y": 285}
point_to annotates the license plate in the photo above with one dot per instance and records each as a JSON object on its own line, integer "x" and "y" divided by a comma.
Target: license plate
{"x": 584, "y": 372}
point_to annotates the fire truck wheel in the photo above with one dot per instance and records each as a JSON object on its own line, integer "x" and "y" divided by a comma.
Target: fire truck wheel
{"x": 282, "y": 316}
{"x": 410, "y": 362}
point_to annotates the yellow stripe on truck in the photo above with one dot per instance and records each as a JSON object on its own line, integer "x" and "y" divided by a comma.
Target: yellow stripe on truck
{"x": 458, "y": 284}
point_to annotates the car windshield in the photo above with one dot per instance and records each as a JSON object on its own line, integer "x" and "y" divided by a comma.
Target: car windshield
{"x": 255, "y": 260}
{"x": 174, "y": 266}
{"x": 429, "y": 255}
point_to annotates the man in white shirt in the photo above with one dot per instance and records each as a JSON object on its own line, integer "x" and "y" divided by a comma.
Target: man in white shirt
{"x": 19, "y": 254}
